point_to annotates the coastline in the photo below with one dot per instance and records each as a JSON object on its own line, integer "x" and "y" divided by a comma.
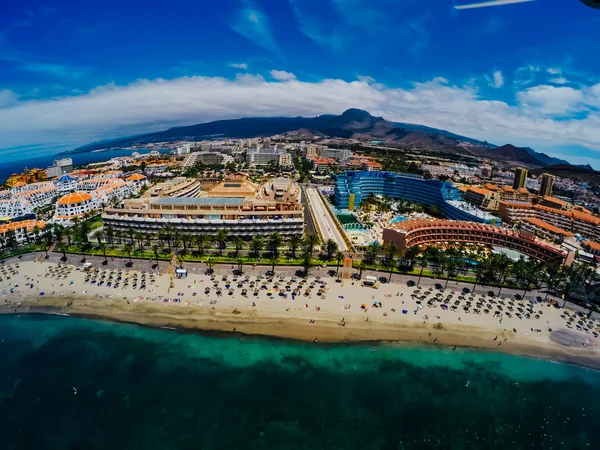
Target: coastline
{"x": 325, "y": 329}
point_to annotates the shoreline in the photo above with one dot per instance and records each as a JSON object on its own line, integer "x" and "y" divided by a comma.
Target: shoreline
{"x": 326, "y": 328}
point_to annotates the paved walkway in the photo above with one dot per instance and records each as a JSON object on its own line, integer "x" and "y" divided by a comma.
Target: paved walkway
{"x": 325, "y": 222}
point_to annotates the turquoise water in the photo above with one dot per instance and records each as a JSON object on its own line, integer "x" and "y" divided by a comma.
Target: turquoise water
{"x": 398, "y": 219}
{"x": 142, "y": 388}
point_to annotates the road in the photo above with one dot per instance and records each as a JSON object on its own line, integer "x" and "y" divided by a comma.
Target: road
{"x": 324, "y": 220}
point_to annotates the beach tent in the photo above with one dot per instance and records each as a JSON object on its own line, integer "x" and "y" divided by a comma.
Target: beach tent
{"x": 181, "y": 273}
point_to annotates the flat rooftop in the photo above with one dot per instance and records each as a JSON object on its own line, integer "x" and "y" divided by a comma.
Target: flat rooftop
{"x": 200, "y": 201}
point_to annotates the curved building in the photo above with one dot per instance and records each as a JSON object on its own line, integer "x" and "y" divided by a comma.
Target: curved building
{"x": 418, "y": 232}
{"x": 352, "y": 187}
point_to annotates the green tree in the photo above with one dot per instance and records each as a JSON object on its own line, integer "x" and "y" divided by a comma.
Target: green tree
{"x": 424, "y": 261}
{"x": 221, "y": 240}
{"x": 274, "y": 241}
{"x": 100, "y": 235}
{"x": 102, "y": 248}
{"x": 310, "y": 242}
{"x": 372, "y": 251}
{"x": 306, "y": 262}
{"x": 331, "y": 247}
{"x": 256, "y": 245}
{"x": 202, "y": 240}
{"x": 293, "y": 244}
{"x": 339, "y": 257}
{"x": 155, "y": 249}
{"x": 128, "y": 248}
{"x": 238, "y": 243}
{"x": 360, "y": 265}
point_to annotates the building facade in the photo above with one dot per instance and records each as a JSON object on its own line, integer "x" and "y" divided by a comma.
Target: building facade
{"x": 352, "y": 188}
{"x": 421, "y": 232}
{"x": 520, "y": 178}
{"x": 546, "y": 183}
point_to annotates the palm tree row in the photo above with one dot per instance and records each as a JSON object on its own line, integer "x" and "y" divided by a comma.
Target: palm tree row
{"x": 489, "y": 269}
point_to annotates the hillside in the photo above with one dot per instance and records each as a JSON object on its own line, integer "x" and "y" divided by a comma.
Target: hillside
{"x": 351, "y": 124}
{"x": 583, "y": 174}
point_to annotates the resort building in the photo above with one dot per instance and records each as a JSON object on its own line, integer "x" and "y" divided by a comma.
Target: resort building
{"x": 335, "y": 153}
{"x": 24, "y": 231}
{"x": 262, "y": 156}
{"x": 36, "y": 194}
{"x": 60, "y": 167}
{"x": 591, "y": 247}
{"x": 65, "y": 184}
{"x": 352, "y": 188}
{"x": 520, "y": 178}
{"x": 422, "y": 232}
{"x": 235, "y": 205}
{"x": 546, "y": 183}
{"x": 73, "y": 205}
{"x": 15, "y": 207}
{"x": 573, "y": 221}
{"x": 323, "y": 164}
{"x": 137, "y": 180}
{"x": 556, "y": 203}
{"x": 545, "y": 230}
{"x": 176, "y": 187}
{"x": 285, "y": 160}
{"x": 483, "y": 198}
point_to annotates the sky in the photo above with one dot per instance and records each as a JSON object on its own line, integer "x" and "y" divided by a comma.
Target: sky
{"x": 73, "y": 72}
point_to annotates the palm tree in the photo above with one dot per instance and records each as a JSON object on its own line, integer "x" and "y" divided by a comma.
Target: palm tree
{"x": 63, "y": 248}
{"x": 273, "y": 243}
{"x": 256, "y": 245}
{"x": 82, "y": 248}
{"x": 176, "y": 238}
{"x": 306, "y": 262}
{"x": 360, "y": 265}
{"x": 155, "y": 248}
{"x": 501, "y": 265}
{"x": 180, "y": 260}
{"x": 310, "y": 241}
{"x": 128, "y": 248}
{"x": 139, "y": 237}
{"x": 240, "y": 264}
{"x": 201, "y": 241}
{"x": 426, "y": 254}
{"x": 99, "y": 237}
{"x": 186, "y": 239}
{"x": 110, "y": 234}
{"x": 293, "y": 244}
{"x": 238, "y": 243}
{"x": 210, "y": 262}
{"x": 221, "y": 239}
{"x": 339, "y": 258}
{"x": 102, "y": 248}
{"x": 390, "y": 263}
{"x": 167, "y": 234}
{"x": 330, "y": 248}
{"x": 390, "y": 250}
{"x": 372, "y": 251}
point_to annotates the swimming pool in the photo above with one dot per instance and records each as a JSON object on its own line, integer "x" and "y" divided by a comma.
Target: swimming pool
{"x": 399, "y": 219}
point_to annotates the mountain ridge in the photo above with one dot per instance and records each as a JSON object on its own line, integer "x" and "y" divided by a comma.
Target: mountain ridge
{"x": 353, "y": 123}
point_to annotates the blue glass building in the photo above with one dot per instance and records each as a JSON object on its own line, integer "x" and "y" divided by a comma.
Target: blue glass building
{"x": 352, "y": 187}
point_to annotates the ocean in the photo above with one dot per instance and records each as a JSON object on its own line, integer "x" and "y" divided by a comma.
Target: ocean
{"x": 74, "y": 384}
{"x": 9, "y": 167}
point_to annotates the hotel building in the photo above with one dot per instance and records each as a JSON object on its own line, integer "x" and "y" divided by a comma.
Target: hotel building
{"x": 421, "y": 232}
{"x": 23, "y": 230}
{"x": 236, "y": 205}
{"x": 73, "y": 205}
{"x": 520, "y": 178}
{"x": 352, "y": 188}
{"x": 572, "y": 221}
{"x": 546, "y": 183}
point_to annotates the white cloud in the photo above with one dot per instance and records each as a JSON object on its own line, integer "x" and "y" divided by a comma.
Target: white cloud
{"x": 253, "y": 24}
{"x": 488, "y": 3}
{"x": 151, "y": 105}
{"x": 496, "y": 80}
{"x": 7, "y": 98}
{"x": 242, "y": 66}
{"x": 282, "y": 75}
{"x": 551, "y": 100}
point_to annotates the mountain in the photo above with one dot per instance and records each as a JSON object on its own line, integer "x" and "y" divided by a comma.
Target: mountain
{"x": 545, "y": 159}
{"x": 579, "y": 173}
{"x": 352, "y": 124}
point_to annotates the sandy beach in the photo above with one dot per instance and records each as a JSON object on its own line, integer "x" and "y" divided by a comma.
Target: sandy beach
{"x": 324, "y": 310}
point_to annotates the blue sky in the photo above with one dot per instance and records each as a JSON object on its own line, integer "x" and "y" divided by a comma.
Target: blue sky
{"x": 72, "y": 72}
